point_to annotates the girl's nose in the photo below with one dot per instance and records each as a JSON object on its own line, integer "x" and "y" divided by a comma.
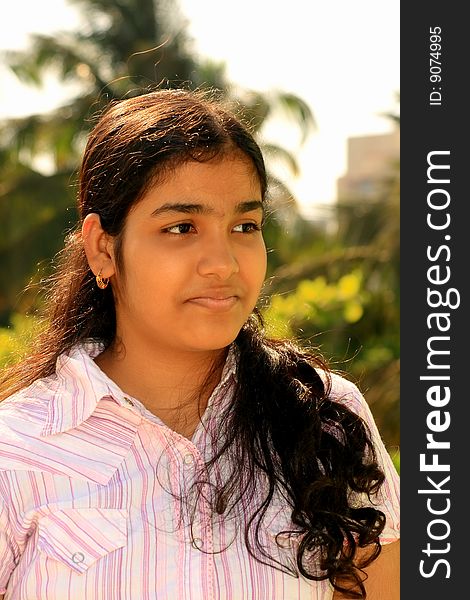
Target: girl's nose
{"x": 218, "y": 259}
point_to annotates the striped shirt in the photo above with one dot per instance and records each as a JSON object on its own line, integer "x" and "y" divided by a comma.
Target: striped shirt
{"x": 92, "y": 489}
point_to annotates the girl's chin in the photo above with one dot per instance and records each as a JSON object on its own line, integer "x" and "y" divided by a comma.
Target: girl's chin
{"x": 209, "y": 342}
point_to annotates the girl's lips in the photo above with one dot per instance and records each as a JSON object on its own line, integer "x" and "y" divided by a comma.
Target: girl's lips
{"x": 215, "y": 304}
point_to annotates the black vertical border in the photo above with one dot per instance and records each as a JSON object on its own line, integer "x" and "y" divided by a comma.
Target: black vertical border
{"x": 426, "y": 128}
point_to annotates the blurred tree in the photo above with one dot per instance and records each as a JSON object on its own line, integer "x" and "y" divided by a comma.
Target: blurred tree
{"x": 122, "y": 48}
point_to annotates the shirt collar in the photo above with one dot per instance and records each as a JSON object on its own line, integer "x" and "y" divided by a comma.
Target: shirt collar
{"x": 80, "y": 384}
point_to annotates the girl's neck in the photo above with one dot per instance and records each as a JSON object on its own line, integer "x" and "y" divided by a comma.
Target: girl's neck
{"x": 175, "y": 386}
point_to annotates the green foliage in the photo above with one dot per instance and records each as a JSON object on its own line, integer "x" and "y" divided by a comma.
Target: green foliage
{"x": 35, "y": 214}
{"x": 324, "y": 305}
{"x": 395, "y": 455}
{"x": 15, "y": 339}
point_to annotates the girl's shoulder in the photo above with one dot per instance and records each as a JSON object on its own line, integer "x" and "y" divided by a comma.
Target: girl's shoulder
{"x": 23, "y": 416}
{"x": 29, "y": 406}
{"x": 342, "y": 390}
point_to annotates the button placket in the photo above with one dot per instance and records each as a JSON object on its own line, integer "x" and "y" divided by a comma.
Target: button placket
{"x": 200, "y": 533}
{"x": 198, "y": 543}
{"x": 207, "y": 544}
{"x": 192, "y": 459}
{"x": 189, "y": 459}
{"x": 78, "y": 557}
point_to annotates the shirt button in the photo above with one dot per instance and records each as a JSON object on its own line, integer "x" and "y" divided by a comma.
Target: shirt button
{"x": 188, "y": 459}
{"x": 198, "y": 543}
{"x": 78, "y": 557}
{"x": 128, "y": 401}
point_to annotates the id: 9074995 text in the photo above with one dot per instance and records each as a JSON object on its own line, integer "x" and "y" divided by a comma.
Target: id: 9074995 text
{"x": 435, "y": 66}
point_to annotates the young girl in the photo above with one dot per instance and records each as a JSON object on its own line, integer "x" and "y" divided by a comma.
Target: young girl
{"x": 155, "y": 444}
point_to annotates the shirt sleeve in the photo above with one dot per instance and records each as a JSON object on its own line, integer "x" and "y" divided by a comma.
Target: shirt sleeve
{"x": 388, "y": 497}
{"x": 8, "y": 547}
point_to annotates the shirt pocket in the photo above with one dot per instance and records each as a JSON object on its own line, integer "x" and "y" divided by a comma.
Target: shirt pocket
{"x": 79, "y": 537}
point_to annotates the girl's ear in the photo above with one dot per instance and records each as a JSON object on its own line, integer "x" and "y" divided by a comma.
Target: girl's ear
{"x": 99, "y": 246}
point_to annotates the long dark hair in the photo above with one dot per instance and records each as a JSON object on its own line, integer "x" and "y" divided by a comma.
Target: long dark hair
{"x": 281, "y": 426}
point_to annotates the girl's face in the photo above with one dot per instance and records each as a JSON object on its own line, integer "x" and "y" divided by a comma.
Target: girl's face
{"x": 194, "y": 259}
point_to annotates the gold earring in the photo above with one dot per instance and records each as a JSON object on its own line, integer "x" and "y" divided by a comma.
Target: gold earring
{"x": 102, "y": 282}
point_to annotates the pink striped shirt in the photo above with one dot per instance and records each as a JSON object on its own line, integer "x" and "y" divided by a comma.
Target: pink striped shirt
{"x": 90, "y": 483}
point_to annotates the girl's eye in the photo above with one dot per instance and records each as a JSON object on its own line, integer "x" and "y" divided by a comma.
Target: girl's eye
{"x": 179, "y": 229}
{"x": 246, "y": 228}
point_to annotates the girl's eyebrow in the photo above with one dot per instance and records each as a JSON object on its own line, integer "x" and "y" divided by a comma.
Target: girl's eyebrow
{"x": 201, "y": 209}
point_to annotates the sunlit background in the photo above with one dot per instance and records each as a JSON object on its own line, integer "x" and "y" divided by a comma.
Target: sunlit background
{"x": 341, "y": 57}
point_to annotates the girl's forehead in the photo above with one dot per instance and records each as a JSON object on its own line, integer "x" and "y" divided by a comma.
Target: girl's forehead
{"x": 233, "y": 160}
{"x": 226, "y": 186}
{"x": 229, "y": 176}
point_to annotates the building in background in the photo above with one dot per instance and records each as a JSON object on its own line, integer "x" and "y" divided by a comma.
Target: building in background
{"x": 371, "y": 159}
